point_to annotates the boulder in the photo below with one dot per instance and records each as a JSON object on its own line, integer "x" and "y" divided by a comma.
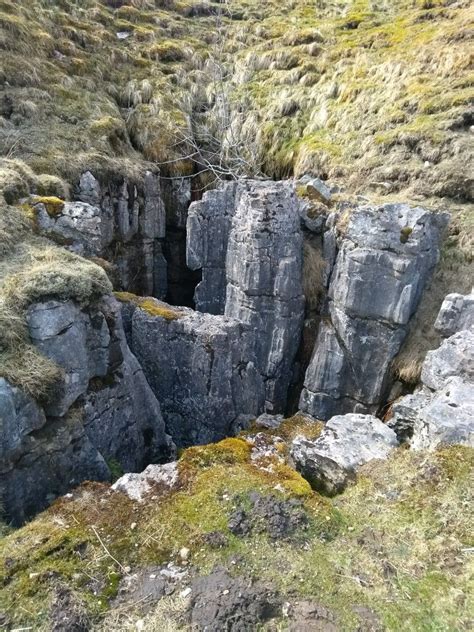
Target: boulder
{"x": 456, "y": 314}
{"x": 153, "y": 478}
{"x": 455, "y": 357}
{"x": 330, "y": 462}
{"x": 385, "y": 257}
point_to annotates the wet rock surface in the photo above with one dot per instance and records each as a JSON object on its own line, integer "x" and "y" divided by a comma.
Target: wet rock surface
{"x": 330, "y": 462}
{"x": 385, "y": 257}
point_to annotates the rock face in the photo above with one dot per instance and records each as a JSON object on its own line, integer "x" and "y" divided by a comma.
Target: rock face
{"x": 40, "y": 458}
{"x": 122, "y": 222}
{"x": 385, "y": 258}
{"x": 442, "y": 410}
{"x": 214, "y": 372}
{"x": 202, "y": 369}
{"x": 103, "y": 409}
{"x": 348, "y": 441}
{"x": 208, "y": 228}
{"x": 264, "y": 279}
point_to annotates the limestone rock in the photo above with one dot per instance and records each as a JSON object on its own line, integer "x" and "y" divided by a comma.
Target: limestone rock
{"x": 75, "y": 340}
{"x": 79, "y": 226}
{"x": 138, "y": 486}
{"x": 122, "y": 416}
{"x": 264, "y": 279}
{"x": 319, "y": 189}
{"x": 346, "y": 442}
{"x": 103, "y": 409}
{"x": 441, "y": 411}
{"x": 455, "y": 357}
{"x": 445, "y": 417}
{"x": 385, "y": 258}
{"x": 456, "y": 314}
{"x": 208, "y": 227}
{"x": 202, "y": 369}
{"x": 125, "y": 213}
{"x": 40, "y": 459}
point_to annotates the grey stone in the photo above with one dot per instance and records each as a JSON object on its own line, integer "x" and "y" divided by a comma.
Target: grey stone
{"x": 40, "y": 458}
{"x": 208, "y": 228}
{"x": 104, "y": 409}
{"x": 456, "y": 314}
{"x": 385, "y": 258}
{"x": 455, "y": 357}
{"x": 441, "y": 411}
{"x": 122, "y": 416}
{"x": 76, "y": 341}
{"x": 79, "y": 226}
{"x": 154, "y": 477}
{"x": 264, "y": 279}
{"x": 330, "y": 462}
{"x": 202, "y": 369}
{"x": 319, "y": 190}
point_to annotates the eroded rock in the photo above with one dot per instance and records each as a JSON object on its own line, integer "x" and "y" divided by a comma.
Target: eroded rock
{"x": 330, "y": 462}
{"x": 441, "y": 411}
{"x": 386, "y": 256}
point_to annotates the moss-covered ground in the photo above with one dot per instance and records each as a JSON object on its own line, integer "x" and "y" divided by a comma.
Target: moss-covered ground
{"x": 399, "y": 542}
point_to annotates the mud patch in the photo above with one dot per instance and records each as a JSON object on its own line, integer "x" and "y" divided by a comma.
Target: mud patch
{"x": 221, "y": 603}
{"x": 280, "y": 519}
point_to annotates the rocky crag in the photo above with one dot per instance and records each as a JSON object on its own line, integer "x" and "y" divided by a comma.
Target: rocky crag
{"x": 136, "y": 383}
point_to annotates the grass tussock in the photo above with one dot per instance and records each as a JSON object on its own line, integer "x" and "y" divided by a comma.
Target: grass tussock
{"x": 396, "y": 543}
{"x": 32, "y": 269}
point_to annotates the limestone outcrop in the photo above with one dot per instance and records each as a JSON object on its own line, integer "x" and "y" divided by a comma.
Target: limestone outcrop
{"x": 122, "y": 222}
{"x": 330, "y": 462}
{"x": 385, "y": 257}
{"x": 208, "y": 228}
{"x": 247, "y": 240}
{"x": 202, "y": 368}
{"x": 102, "y": 411}
{"x": 214, "y": 372}
{"x": 441, "y": 411}
{"x": 264, "y": 279}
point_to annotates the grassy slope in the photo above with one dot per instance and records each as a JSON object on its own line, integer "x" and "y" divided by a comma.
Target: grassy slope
{"x": 395, "y": 543}
{"x": 365, "y": 91}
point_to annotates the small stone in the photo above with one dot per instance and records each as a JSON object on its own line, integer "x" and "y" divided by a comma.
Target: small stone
{"x": 126, "y": 569}
{"x": 185, "y": 593}
{"x": 184, "y": 554}
{"x": 140, "y": 624}
{"x": 133, "y": 526}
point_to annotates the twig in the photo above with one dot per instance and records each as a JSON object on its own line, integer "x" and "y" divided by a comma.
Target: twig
{"x": 122, "y": 568}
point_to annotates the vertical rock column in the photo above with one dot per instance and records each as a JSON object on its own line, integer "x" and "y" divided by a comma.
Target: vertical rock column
{"x": 264, "y": 279}
{"x": 386, "y": 256}
{"x": 208, "y": 228}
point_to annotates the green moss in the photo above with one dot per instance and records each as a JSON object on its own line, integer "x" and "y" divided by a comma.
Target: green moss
{"x": 156, "y": 308}
{"x": 53, "y": 205}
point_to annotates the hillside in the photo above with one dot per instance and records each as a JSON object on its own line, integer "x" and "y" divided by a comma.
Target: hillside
{"x": 236, "y": 315}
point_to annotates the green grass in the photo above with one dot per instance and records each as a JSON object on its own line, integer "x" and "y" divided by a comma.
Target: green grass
{"x": 396, "y": 542}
